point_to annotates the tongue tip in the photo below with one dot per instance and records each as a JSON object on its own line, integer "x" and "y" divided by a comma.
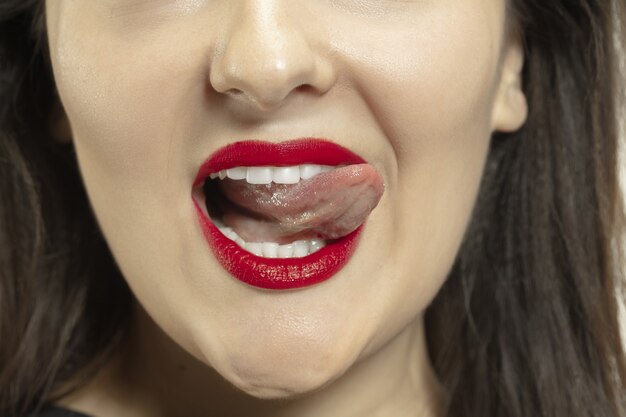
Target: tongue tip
{"x": 353, "y": 174}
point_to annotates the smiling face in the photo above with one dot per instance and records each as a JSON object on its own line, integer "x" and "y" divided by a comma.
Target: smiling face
{"x": 152, "y": 88}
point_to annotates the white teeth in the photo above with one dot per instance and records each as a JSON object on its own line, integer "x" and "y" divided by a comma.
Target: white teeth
{"x": 270, "y": 249}
{"x": 238, "y": 173}
{"x": 229, "y": 233}
{"x": 300, "y": 249}
{"x": 285, "y": 251}
{"x": 297, "y": 249}
{"x": 286, "y": 175}
{"x": 259, "y": 175}
{"x": 254, "y": 247}
{"x": 309, "y": 171}
{"x": 267, "y": 174}
{"x": 316, "y": 245}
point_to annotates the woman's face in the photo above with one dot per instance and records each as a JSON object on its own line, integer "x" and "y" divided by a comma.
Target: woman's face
{"x": 152, "y": 88}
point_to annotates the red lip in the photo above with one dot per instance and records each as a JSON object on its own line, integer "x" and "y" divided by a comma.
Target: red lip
{"x": 293, "y": 152}
{"x": 266, "y": 273}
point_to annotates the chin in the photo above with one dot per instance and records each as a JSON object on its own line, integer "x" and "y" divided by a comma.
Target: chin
{"x": 285, "y": 374}
{"x": 281, "y": 387}
{"x": 287, "y": 384}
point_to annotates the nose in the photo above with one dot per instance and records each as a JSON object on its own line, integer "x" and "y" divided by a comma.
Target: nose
{"x": 265, "y": 56}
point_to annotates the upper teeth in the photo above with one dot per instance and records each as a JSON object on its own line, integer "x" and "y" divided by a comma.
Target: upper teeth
{"x": 267, "y": 175}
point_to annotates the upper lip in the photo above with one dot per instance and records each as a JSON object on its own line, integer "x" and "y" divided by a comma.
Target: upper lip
{"x": 287, "y": 153}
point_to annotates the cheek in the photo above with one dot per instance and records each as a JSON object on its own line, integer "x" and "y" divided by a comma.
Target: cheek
{"x": 125, "y": 101}
{"x": 127, "y": 92}
{"x": 120, "y": 123}
{"x": 432, "y": 93}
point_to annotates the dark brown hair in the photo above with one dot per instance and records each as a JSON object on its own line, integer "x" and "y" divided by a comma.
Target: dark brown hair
{"x": 526, "y": 324}
{"x": 63, "y": 303}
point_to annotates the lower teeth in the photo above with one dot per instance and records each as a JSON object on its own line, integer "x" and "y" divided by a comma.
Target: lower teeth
{"x": 297, "y": 249}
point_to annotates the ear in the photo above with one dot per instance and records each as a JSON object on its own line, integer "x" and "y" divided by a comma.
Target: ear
{"x": 510, "y": 108}
{"x": 59, "y": 125}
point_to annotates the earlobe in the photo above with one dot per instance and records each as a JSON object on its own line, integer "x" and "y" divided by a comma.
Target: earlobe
{"x": 510, "y": 107}
{"x": 59, "y": 125}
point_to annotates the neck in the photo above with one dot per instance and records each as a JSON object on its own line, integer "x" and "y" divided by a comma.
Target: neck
{"x": 153, "y": 376}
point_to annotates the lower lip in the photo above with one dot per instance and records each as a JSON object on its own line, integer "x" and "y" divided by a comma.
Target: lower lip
{"x": 278, "y": 274}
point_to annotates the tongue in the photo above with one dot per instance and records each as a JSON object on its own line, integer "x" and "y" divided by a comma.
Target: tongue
{"x": 327, "y": 206}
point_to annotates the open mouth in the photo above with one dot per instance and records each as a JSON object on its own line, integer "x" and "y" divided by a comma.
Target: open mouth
{"x": 288, "y": 215}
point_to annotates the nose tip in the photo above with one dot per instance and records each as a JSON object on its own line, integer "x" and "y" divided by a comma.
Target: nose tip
{"x": 263, "y": 81}
{"x": 265, "y": 59}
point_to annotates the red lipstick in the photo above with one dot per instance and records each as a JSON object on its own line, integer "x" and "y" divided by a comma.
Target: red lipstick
{"x": 273, "y": 273}
{"x": 294, "y": 152}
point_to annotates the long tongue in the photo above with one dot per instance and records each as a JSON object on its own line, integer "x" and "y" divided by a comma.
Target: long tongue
{"x": 328, "y": 206}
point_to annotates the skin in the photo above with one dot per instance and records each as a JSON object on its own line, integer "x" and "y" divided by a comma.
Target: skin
{"x": 150, "y": 88}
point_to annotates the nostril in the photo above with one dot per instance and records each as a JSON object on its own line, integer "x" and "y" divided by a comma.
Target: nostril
{"x": 235, "y": 92}
{"x": 243, "y": 97}
{"x": 304, "y": 88}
